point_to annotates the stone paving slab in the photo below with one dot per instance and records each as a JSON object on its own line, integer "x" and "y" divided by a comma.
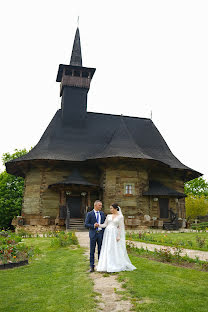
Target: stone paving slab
{"x": 201, "y": 255}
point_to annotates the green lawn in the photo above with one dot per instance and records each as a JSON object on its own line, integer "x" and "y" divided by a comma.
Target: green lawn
{"x": 184, "y": 240}
{"x": 56, "y": 281}
{"x": 165, "y": 288}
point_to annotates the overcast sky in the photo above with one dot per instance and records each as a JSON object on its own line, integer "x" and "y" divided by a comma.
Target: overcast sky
{"x": 148, "y": 55}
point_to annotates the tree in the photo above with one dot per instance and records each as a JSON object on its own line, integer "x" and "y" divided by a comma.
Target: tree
{"x": 196, "y": 206}
{"x": 197, "y": 199}
{"x": 197, "y": 187}
{"x": 11, "y": 192}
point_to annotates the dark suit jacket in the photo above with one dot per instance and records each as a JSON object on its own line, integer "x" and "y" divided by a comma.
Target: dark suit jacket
{"x": 91, "y": 220}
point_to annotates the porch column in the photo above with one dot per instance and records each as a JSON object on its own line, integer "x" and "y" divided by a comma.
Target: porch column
{"x": 62, "y": 198}
{"x": 88, "y": 199}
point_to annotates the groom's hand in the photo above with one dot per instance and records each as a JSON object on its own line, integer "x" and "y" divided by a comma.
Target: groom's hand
{"x": 96, "y": 225}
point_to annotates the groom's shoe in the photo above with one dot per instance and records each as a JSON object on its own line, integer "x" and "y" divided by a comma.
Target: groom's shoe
{"x": 91, "y": 269}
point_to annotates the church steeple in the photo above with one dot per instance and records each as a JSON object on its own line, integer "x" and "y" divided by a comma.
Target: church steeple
{"x": 76, "y": 56}
{"x": 74, "y": 85}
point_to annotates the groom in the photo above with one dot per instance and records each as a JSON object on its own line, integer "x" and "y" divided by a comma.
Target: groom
{"x": 93, "y": 219}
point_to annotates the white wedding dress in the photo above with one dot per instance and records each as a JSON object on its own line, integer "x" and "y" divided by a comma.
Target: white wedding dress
{"x": 113, "y": 255}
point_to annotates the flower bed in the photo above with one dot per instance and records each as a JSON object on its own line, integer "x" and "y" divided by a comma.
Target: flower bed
{"x": 192, "y": 240}
{"x": 165, "y": 255}
{"x": 13, "y": 252}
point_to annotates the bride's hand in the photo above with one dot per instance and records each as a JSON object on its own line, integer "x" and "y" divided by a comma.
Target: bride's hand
{"x": 118, "y": 239}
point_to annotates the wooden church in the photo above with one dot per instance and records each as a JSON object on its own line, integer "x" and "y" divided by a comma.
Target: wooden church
{"x": 83, "y": 156}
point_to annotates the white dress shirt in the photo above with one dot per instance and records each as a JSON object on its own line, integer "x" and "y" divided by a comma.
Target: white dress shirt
{"x": 99, "y": 219}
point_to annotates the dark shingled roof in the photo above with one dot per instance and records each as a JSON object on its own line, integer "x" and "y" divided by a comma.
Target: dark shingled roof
{"x": 74, "y": 178}
{"x": 156, "y": 188}
{"x": 102, "y": 136}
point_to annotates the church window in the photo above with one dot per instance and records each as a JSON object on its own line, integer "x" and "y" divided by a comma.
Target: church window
{"x": 129, "y": 189}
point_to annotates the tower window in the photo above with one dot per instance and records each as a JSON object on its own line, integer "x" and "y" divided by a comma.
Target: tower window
{"x": 85, "y": 74}
{"x": 68, "y": 72}
{"x": 129, "y": 189}
{"x": 77, "y": 73}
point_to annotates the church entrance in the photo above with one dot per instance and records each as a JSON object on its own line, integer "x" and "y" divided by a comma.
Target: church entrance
{"x": 163, "y": 203}
{"x": 74, "y": 204}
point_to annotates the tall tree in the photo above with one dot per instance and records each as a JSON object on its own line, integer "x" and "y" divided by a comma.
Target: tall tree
{"x": 11, "y": 192}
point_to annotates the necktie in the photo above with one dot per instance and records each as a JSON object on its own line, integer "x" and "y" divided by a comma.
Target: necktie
{"x": 97, "y": 217}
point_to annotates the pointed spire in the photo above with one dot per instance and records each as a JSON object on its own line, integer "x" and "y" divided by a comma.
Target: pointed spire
{"x": 76, "y": 56}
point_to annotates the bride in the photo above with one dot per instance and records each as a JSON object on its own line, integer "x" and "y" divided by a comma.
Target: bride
{"x": 113, "y": 255}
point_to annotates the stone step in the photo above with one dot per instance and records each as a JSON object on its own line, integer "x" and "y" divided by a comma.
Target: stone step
{"x": 76, "y": 220}
{"x": 77, "y": 228}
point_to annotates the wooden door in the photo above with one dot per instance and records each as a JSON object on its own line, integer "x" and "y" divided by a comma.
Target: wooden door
{"x": 75, "y": 203}
{"x": 163, "y": 203}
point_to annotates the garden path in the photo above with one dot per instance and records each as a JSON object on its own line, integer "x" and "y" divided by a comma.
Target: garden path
{"x": 105, "y": 285}
{"x": 201, "y": 255}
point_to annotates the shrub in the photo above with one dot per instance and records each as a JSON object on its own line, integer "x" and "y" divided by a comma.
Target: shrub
{"x": 64, "y": 239}
{"x": 200, "y": 241}
{"x": 203, "y": 226}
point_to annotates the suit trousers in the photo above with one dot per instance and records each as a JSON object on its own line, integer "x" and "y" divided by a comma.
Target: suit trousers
{"x": 96, "y": 239}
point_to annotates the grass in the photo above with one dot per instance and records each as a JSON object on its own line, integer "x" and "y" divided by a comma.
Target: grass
{"x": 184, "y": 240}
{"x": 160, "y": 287}
{"x": 54, "y": 281}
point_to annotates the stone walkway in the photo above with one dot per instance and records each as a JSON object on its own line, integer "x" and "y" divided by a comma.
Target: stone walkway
{"x": 108, "y": 300}
{"x": 201, "y": 255}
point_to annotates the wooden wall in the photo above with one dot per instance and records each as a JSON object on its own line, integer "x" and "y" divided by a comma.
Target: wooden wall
{"x": 112, "y": 176}
{"x": 115, "y": 178}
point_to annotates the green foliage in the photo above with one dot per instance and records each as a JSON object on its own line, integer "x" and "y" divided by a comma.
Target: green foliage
{"x": 197, "y": 186}
{"x": 17, "y": 153}
{"x": 11, "y": 192}
{"x": 197, "y": 200}
{"x": 64, "y": 239}
{"x": 196, "y": 206}
{"x": 203, "y": 226}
